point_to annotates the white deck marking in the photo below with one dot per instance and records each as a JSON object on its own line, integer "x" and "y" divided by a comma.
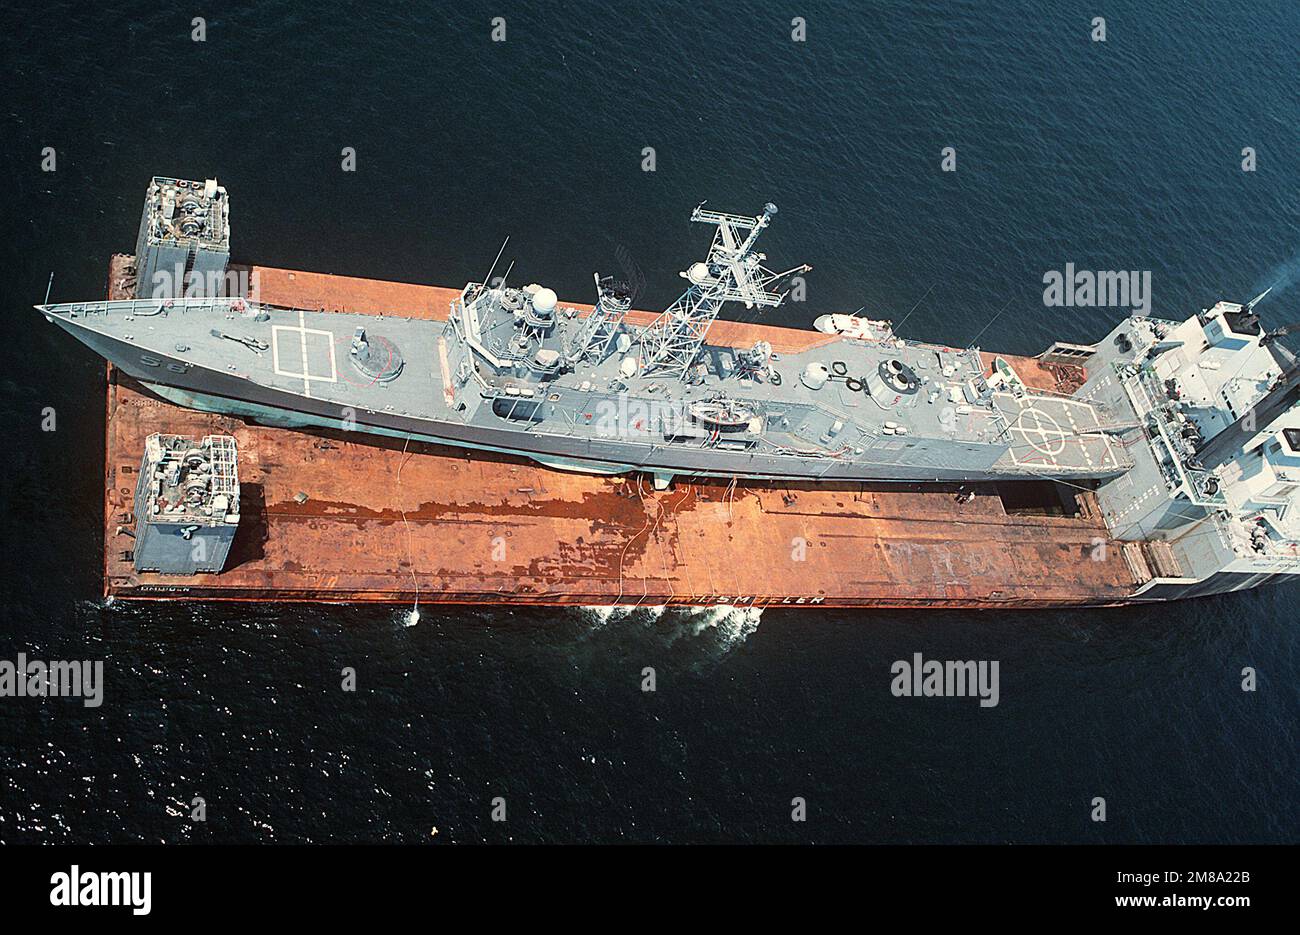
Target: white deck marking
{"x": 305, "y": 373}
{"x": 1038, "y": 426}
{"x": 1110, "y": 454}
{"x": 275, "y": 350}
{"x": 302, "y": 336}
{"x": 334, "y": 368}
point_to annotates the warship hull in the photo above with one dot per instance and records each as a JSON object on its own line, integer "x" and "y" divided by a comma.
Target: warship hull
{"x": 186, "y": 382}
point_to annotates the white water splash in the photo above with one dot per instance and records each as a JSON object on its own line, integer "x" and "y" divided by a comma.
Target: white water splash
{"x": 732, "y": 625}
{"x": 411, "y": 617}
{"x": 718, "y": 629}
{"x": 603, "y": 614}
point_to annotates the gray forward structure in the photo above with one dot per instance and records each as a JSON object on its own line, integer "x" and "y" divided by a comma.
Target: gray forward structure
{"x": 511, "y": 370}
{"x": 186, "y": 504}
{"x": 184, "y": 243}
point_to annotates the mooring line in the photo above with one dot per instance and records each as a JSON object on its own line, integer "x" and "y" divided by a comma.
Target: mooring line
{"x": 410, "y": 551}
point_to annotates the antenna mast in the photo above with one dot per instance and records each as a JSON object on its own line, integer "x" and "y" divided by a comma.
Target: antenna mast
{"x": 604, "y": 324}
{"x": 733, "y": 272}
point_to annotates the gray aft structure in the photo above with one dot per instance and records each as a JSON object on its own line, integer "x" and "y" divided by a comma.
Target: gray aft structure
{"x": 1190, "y": 430}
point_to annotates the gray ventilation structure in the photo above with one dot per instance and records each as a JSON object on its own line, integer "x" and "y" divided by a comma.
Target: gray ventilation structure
{"x": 183, "y": 247}
{"x": 186, "y": 504}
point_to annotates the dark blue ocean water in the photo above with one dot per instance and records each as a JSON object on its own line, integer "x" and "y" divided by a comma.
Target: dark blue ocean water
{"x": 1117, "y": 155}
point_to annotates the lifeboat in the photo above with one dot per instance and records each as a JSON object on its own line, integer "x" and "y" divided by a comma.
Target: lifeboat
{"x": 866, "y": 329}
{"x": 721, "y": 413}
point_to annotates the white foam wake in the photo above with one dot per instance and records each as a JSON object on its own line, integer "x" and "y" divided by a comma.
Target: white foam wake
{"x": 731, "y": 625}
{"x": 603, "y": 614}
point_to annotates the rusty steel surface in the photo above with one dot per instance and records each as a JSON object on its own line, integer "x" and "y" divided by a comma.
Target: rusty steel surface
{"x": 331, "y": 516}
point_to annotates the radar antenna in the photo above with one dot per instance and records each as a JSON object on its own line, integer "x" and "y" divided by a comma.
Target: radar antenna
{"x": 733, "y": 272}
{"x": 604, "y": 324}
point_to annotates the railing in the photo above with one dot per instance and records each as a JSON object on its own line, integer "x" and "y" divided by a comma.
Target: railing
{"x": 159, "y": 306}
{"x": 1139, "y": 394}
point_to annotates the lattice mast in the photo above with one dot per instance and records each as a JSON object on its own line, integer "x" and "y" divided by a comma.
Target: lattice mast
{"x": 603, "y": 325}
{"x": 733, "y": 272}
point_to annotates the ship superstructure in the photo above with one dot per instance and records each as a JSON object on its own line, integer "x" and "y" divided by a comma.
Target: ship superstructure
{"x": 1160, "y": 427}
{"x": 186, "y": 504}
{"x": 183, "y": 247}
{"x": 1215, "y": 476}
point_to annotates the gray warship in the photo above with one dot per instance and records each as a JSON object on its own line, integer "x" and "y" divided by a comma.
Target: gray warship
{"x": 513, "y": 371}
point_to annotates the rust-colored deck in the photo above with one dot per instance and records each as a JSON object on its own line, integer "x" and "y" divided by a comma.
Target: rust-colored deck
{"x": 377, "y": 522}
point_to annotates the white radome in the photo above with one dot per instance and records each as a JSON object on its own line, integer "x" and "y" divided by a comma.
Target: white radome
{"x": 815, "y": 375}
{"x": 544, "y": 300}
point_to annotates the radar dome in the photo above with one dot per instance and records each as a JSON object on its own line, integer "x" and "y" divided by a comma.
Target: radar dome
{"x": 814, "y": 376}
{"x": 544, "y": 300}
